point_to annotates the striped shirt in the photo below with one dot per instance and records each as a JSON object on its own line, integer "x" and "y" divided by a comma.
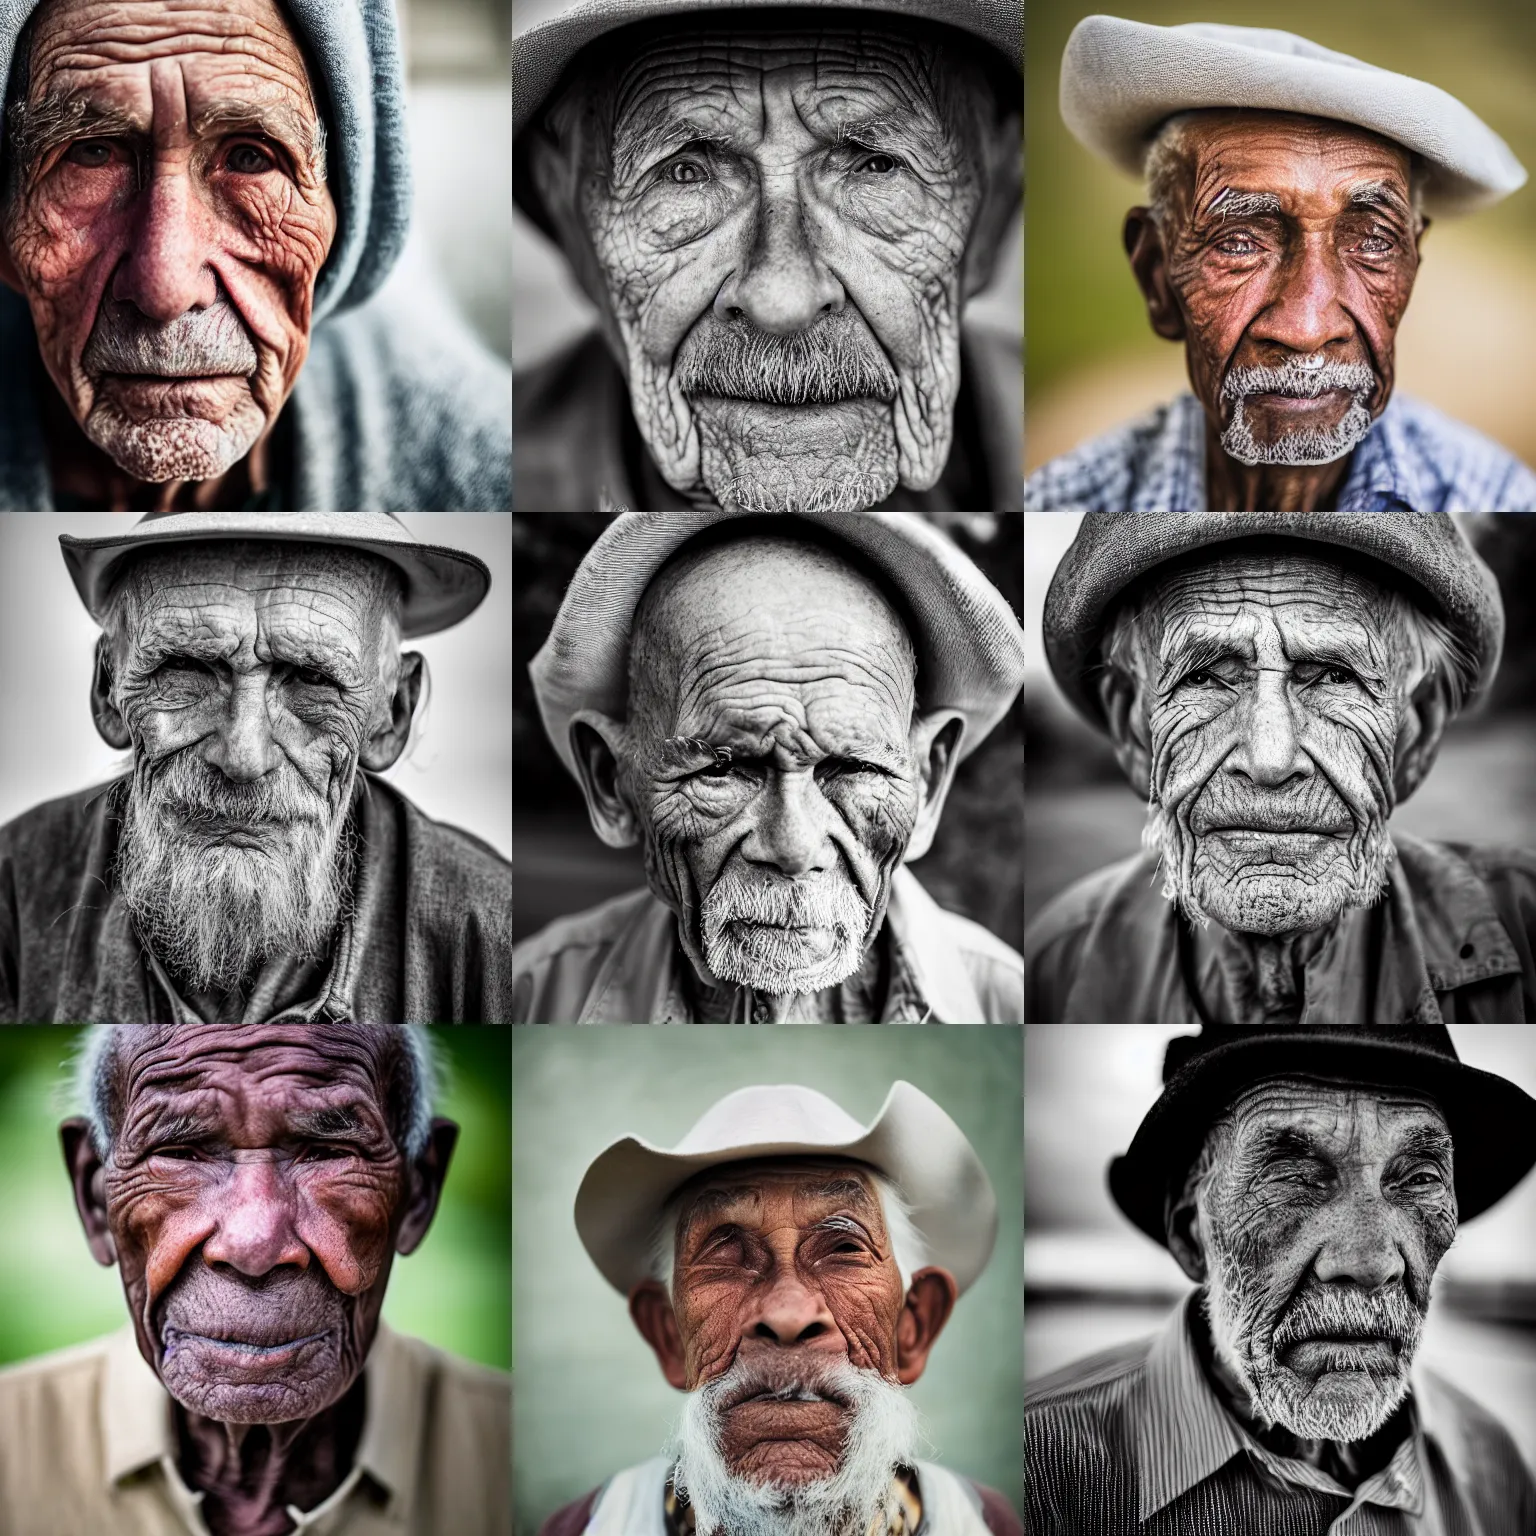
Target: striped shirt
{"x": 1134, "y": 1442}
{"x": 1414, "y": 459}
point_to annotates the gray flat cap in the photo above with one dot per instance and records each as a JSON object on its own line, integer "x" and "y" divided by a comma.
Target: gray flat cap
{"x": 1424, "y": 552}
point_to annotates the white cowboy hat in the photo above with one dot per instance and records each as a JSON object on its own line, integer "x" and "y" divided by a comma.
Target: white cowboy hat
{"x": 442, "y": 585}
{"x": 970, "y": 648}
{"x": 911, "y": 1141}
{"x": 1121, "y": 79}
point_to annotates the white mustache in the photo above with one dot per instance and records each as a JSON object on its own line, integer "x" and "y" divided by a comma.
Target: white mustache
{"x": 1302, "y": 377}
{"x": 199, "y": 344}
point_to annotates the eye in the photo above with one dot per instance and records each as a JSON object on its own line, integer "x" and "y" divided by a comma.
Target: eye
{"x": 326, "y": 1152}
{"x": 91, "y": 154}
{"x": 1201, "y": 677}
{"x": 1377, "y": 245}
{"x": 878, "y": 164}
{"x": 177, "y": 1154}
{"x": 311, "y": 677}
{"x": 1336, "y": 676}
{"x": 249, "y": 160}
{"x": 685, "y": 173}
{"x": 1238, "y": 245}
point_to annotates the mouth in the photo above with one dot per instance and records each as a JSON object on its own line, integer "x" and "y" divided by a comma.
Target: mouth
{"x": 788, "y": 410}
{"x": 1341, "y": 1352}
{"x": 792, "y": 1395}
{"x": 1329, "y": 399}
{"x": 240, "y": 1354}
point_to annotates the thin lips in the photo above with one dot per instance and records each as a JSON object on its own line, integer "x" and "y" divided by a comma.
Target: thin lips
{"x": 263, "y": 1344}
{"x": 759, "y": 1391}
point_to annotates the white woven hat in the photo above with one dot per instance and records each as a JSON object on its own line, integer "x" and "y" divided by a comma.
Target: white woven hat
{"x": 1121, "y": 79}
{"x": 970, "y": 648}
{"x": 911, "y": 1141}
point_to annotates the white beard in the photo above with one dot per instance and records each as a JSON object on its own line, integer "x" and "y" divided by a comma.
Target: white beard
{"x": 751, "y": 937}
{"x": 883, "y": 1434}
{"x": 213, "y": 912}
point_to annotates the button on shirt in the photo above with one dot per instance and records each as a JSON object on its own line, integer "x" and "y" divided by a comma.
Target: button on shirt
{"x": 1134, "y": 1442}
{"x": 88, "y": 1447}
{"x": 1414, "y": 459}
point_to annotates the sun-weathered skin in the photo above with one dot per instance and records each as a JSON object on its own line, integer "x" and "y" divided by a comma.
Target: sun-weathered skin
{"x": 772, "y": 731}
{"x": 165, "y": 218}
{"x": 1312, "y": 1188}
{"x": 771, "y": 211}
{"x": 254, "y": 1196}
{"x": 1322, "y": 276}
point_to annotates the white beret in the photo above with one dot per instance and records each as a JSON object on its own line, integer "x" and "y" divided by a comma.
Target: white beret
{"x": 1121, "y": 79}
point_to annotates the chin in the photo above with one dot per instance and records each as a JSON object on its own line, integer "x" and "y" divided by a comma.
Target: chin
{"x": 159, "y": 449}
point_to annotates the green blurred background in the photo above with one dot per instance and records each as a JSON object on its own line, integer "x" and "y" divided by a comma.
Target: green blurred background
{"x": 588, "y": 1394}
{"x": 453, "y": 1291}
{"x": 1468, "y": 343}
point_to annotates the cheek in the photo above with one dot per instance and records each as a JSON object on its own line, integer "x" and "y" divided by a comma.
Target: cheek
{"x": 157, "y": 1222}
{"x": 866, "y": 1310}
{"x": 345, "y": 1221}
{"x": 879, "y": 815}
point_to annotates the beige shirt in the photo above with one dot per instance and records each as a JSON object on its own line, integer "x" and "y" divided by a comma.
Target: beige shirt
{"x": 88, "y": 1448}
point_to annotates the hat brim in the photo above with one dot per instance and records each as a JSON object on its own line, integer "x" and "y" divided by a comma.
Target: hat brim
{"x": 541, "y": 54}
{"x": 1121, "y": 79}
{"x": 970, "y": 647}
{"x": 912, "y": 1141}
{"x": 442, "y": 585}
{"x": 1492, "y": 1121}
{"x": 1427, "y": 552}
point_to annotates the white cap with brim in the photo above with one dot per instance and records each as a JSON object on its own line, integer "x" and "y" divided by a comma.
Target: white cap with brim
{"x": 1120, "y": 80}
{"x": 442, "y": 585}
{"x": 912, "y": 1141}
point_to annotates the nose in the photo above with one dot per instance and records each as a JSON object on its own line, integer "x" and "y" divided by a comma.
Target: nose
{"x": 243, "y": 748}
{"x": 782, "y": 285}
{"x": 1362, "y": 1247}
{"x": 255, "y": 1233}
{"x": 791, "y": 830}
{"x": 791, "y": 1313}
{"x": 1270, "y": 752}
{"x": 1307, "y": 312}
{"x": 166, "y": 272}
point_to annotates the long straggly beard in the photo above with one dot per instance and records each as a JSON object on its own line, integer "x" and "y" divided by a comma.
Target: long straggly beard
{"x": 212, "y": 911}
{"x": 1343, "y": 1403}
{"x": 882, "y": 1434}
{"x": 785, "y": 938}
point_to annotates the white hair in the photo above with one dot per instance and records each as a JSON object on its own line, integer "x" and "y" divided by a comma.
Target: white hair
{"x": 908, "y": 1246}
{"x": 95, "y": 1061}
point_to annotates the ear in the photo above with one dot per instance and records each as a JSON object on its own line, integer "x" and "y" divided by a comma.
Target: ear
{"x": 930, "y": 1299}
{"x": 426, "y": 1185}
{"x": 1149, "y": 262}
{"x": 89, "y": 1181}
{"x": 1127, "y": 730}
{"x": 936, "y": 746}
{"x": 1184, "y": 1240}
{"x": 1002, "y": 150}
{"x": 597, "y": 744}
{"x": 110, "y": 725}
{"x": 382, "y": 749}
{"x": 1419, "y": 736}
{"x": 651, "y": 1309}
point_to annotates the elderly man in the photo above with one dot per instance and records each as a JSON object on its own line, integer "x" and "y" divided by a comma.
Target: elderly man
{"x": 779, "y": 216}
{"x": 1289, "y": 191}
{"x": 775, "y": 709}
{"x": 187, "y": 192}
{"x": 794, "y": 1297}
{"x": 253, "y": 1186}
{"x": 250, "y": 867}
{"x": 1308, "y": 1181}
{"x": 1274, "y": 684}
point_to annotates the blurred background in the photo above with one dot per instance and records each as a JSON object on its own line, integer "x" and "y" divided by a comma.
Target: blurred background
{"x": 589, "y": 1398}
{"x": 452, "y": 1291}
{"x": 1468, "y": 342}
{"x": 972, "y": 868}
{"x": 549, "y": 309}
{"x": 456, "y": 768}
{"x": 1082, "y": 814}
{"x": 1091, "y": 1280}
{"x": 458, "y": 57}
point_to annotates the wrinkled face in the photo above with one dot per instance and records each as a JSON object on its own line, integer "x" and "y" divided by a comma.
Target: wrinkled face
{"x": 1327, "y": 1209}
{"x": 784, "y": 1278}
{"x": 254, "y": 1194}
{"x": 248, "y": 677}
{"x": 1292, "y": 247}
{"x": 169, "y": 222}
{"x": 778, "y": 218}
{"x": 771, "y": 760}
{"x": 1274, "y": 689}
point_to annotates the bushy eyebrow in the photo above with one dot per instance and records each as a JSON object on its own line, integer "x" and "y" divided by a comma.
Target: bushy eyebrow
{"x": 1229, "y": 203}
{"x": 1279, "y": 1142}
{"x": 1203, "y": 649}
{"x": 1380, "y": 194}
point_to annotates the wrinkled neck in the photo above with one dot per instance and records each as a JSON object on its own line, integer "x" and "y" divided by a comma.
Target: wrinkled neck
{"x": 1264, "y": 977}
{"x": 1231, "y": 486}
{"x": 249, "y": 1474}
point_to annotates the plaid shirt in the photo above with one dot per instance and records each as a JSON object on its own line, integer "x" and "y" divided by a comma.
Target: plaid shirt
{"x": 1412, "y": 460}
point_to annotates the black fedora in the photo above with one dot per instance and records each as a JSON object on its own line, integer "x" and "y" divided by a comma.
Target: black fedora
{"x": 1492, "y": 1122}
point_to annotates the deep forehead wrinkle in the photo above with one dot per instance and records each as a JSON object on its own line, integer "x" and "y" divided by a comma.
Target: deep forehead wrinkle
{"x": 868, "y": 86}
{"x": 743, "y": 1189}
{"x": 1331, "y": 1113}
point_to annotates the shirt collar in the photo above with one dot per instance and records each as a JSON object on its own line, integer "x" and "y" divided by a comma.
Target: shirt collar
{"x": 1184, "y": 1435}
{"x": 1172, "y": 477}
{"x": 137, "y": 1429}
{"x": 1383, "y": 476}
